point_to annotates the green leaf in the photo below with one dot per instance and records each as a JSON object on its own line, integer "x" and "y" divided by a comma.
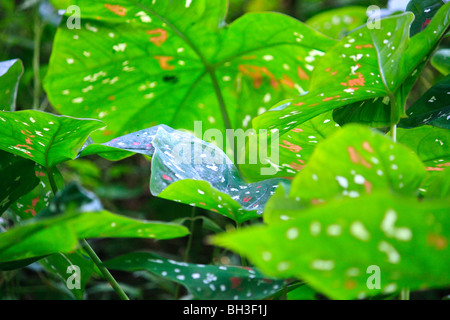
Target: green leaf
{"x": 424, "y": 11}
{"x": 431, "y": 144}
{"x": 433, "y": 108}
{"x": 406, "y": 239}
{"x": 356, "y": 161}
{"x": 38, "y": 198}
{"x": 17, "y": 178}
{"x": 189, "y": 170}
{"x": 438, "y": 185}
{"x": 369, "y": 67}
{"x": 336, "y": 23}
{"x": 76, "y": 214}
{"x": 177, "y": 62}
{"x": 10, "y": 73}
{"x": 441, "y": 61}
{"x": 43, "y": 137}
{"x": 205, "y": 282}
{"x": 294, "y": 150}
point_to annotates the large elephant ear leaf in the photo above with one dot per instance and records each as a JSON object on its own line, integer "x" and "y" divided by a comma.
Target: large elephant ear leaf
{"x": 400, "y": 243}
{"x": 356, "y": 161}
{"x": 376, "y": 70}
{"x": 175, "y": 62}
{"x": 433, "y": 108}
{"x": 43, "y": 137}
{"x": 17, "y": 178}
{"x": 189, "y": 170}
{"x": 10, "y": 73}
{"x": 205, "y": 282}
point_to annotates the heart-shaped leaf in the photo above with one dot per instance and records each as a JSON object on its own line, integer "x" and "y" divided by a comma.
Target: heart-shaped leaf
{"x": 400, "y": 242}
{"x": 424, "y": 11}
{"x": 43, "y": 137}
{"x": 192, "y": 171}
{"x": 374, "y": 67}
{"x": 37, "y": 199}
{"x": 10, "y": 73}
{"x": 356, "y": 161}
{"x": 176, "y": 62}
{"x": 17, "y": 178}
{"x": 294, "y": 149}
{"x": 205, "y": 282}
{"x": 433, "y": 108}
{"x": 76, "y": 214}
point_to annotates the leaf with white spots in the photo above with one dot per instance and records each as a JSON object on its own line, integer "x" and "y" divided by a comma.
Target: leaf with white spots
{"x": 43, "y": 137}
{"x": 17, "y": 179}
{"x": 433, "y": 108}
{"x": 337, "y": 248}
{"x": 424, "y": 11}
{"x": 189, "y": 170}
{"x": 39, "y": 198}
{"x": 356, "y": 161}
{"x": 76, "y": 214}
{"x": 10, "y": 73}
{"x": 204, "y": 282}
{"x": 431, "y": 144}
{"x": 294, "y": 149}
{"x": 368, "y": 68}
{"x": 336, "y": 23}
{"x": 153, "y": 62}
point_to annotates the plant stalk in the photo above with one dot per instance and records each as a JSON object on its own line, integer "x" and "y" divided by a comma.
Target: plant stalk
{"x": 108, "y": 276}
{"x": 404, "y": 294}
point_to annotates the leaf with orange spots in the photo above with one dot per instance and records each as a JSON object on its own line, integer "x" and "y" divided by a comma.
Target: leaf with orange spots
{"x": 355, "y": 161}
{"x": 205, "y": 282}
{"x": 176, "y": 62}
{"x": 338, "y": 247}
{"x": 369, "y": 72}
{"x": 189, "y": 170}
{"x": 294, "y": 150}
{"x": 17, "y": 179}
{"x": 45, "y": 138}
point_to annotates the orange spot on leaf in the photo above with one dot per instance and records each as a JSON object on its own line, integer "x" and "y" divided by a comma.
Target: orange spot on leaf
{"x": 164, "y": 62}
{"x": 116, "y": 9}
{"x": 160, "y": 38}
{"x": 290, "y": 146}
{"x": 302, "y": 74}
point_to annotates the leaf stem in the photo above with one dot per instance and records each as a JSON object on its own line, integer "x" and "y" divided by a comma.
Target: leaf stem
{"x": 225, "y": 116}
{"x": 188, "y": 248}
{"x": 108, "y": 276}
